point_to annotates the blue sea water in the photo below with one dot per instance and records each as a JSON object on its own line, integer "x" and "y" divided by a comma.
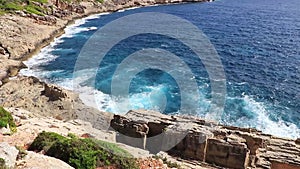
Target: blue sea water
{"x": 258, "y": 42}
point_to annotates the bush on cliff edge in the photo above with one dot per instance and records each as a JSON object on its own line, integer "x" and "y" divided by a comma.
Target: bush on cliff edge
{"x": 82, "y": 153}
{"x": 6, "y": 118}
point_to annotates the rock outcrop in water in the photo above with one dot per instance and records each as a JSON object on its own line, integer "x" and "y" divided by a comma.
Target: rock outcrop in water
{"x": 195, "y": 139}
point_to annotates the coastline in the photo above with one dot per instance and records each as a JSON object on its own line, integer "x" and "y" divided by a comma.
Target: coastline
{"x": 22, "y": 52}
{"x": 67, "y": 98}
{"x": 92, "y": 10}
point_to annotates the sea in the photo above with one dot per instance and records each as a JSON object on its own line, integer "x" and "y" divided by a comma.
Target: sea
{"x": 257, "y": 41}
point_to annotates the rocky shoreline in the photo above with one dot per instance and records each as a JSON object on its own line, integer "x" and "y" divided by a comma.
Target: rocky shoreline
{"x": 23, "y": 35}
{"x": 201, "y": 141}
{"x": 38, "y": 106}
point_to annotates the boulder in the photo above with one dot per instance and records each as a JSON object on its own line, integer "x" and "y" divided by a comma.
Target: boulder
{"x": 40, "y": 161}
{"x": 2, "y": 51}
{"x": 3, "y": 74}
{"x": 130, "y": 132}
{"x": 297, "y": 141}
{"x": 9, "y": 154}
{"x": 282, "y": 165}
{"x": 194, "y": 145}
{"x": 53, "y": 92}
{"x": 230, "y": 155}
{"x": 5, "y": 130}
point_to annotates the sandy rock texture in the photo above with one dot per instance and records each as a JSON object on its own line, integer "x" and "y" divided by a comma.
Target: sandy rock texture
{"x": 31, "y": 124}
{"x": 18, "y": 35}
{"x": 38, "y": 161}
{"x": 192, "y": 138}
{"x": 50, "y": 101}
{"x": 9, "y": 154}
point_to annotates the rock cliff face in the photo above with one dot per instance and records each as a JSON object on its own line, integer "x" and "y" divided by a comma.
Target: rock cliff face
{"x": 48, "y": 100}
{"x": 196, "y": 139}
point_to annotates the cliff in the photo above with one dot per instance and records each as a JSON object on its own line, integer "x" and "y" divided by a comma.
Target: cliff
{"x": 195, "y": 139}
{"x": 39, "y": 106}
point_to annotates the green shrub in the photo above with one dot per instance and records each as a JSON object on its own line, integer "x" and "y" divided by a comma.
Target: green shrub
{"x": 44, "y": 141}
{"x": 82, "y": 153}
{"x": 34, "y": 10}
{"x": 6, "y": 118}
{"x": 22, "y": 153}
{"x": 15, "y": 5}
{"x": 100, "y": 1}
{"x": 40, "y": 1}
{"x": 12, "y": 6}
{"x": 2, "y": 12}
{"x": 2, "y": 163}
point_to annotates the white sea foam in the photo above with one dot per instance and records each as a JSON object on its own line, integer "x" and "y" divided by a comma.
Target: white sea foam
{"x": 104, "y": 102}
{"x": 262, "y": 121}
{"x": 45, "y": 56}
{"x": 127, "y": 9}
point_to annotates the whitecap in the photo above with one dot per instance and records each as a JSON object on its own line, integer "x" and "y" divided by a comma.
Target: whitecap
{"x": 261, "y": 120}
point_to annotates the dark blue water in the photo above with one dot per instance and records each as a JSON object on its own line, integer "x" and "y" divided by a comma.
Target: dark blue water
{"x": 258, "y": 42}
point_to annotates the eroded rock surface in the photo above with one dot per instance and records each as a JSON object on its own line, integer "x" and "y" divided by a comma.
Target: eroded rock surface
{"x": 48, "y": 100}
{"x": 195, "y": 139}
{"x": 9, "y": 154}
{"x": 40, "y": 161}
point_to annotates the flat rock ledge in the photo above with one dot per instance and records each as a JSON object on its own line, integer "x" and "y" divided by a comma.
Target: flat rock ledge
{"x": 196, "y": 139}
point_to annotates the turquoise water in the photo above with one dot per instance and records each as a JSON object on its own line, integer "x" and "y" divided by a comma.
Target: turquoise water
{"x": 258, "y": 42}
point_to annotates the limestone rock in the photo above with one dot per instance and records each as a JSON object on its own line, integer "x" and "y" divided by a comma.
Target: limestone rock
{"x": 9, "y": 154}
{"x": 2, "y": 51}
{"x": 230, "y": 155}
{"x": 297, "y": 141}
{"x": 54, "y": 93}
{"x": 194, "y": 139}
{"x": 5, "y": 130}
{"x": 28, "y": 93}
{"x": 280, "y": 165}
{"x": 40, "y": 161}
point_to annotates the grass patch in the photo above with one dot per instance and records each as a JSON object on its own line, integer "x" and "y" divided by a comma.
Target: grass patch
{"x": 40, "y": 1}
{"x": 11, "y": 6}
{"x": 82, "y": 153}
{"x": 21, "y": 5}
{"x": 100, "y": 1}
{"x": 22, "y": 152}
{"x": 2, "y": 12}
{"x": 34, "y": 10}
{"x": 6, "y": 118}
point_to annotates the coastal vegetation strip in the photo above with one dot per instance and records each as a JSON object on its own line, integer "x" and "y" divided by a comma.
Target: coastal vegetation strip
{"x": 82, "y": 153}
{"x": 6, "y": 120}
{"x": 38, "y": 7}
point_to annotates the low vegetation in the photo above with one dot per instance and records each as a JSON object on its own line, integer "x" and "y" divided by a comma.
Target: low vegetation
{"x": 82, "y": 153}
{"x": 38, "y": 7}
{"x": 7, "y": 119}
{"x": 29, "y": 6}
{"x": 22, "y": 152}
{"x": 2, "y": 163}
